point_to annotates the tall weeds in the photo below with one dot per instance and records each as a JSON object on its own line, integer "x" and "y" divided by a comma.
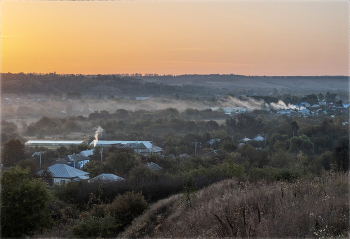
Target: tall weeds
{"x": 317, "y": 207}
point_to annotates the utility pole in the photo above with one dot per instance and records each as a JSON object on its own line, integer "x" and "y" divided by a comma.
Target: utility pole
{"x": 265, "y": 138}
{"x": 40, "y": 153}
{"x": 195, "y": 149}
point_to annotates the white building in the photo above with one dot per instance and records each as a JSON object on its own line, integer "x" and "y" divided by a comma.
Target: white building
{"x": 140, "y": 147}
{"x": 40, "y": 143}
{"x": 62, "y": 174}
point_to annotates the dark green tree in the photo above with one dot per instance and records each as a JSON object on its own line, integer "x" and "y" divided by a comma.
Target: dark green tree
{"x": 121, "y": 162}
{"x": 94, "y": 168}
{"x": 320, "y": 97}
{"x": 294, "y": 126}
{"x": 23, "y": 204}
{"x": 31, "y": 164}
{"x": 13, "y": 152}
{"x": 341, "y": 154}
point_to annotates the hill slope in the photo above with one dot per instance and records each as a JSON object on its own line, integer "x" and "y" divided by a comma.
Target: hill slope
{"x": 316, "y": 208}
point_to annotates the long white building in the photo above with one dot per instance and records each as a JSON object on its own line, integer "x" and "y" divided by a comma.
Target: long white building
{"x": 32, "y": 143}
{"x": 140, "y": 147}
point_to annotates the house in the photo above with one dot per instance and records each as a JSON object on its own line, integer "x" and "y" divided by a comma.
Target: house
{"x": 153, "y": 150}
{"x": 106, "y": 177}
{"x": 259, "y": 138}
{"x": 62, "y": 174}
{"x": 305, "y": 111}
{"x": 346, "y": 105}
{"x": 77, "y": 160}
{"x": 153, "y": 166}
{"x": 214, "y": 141}
{"x": 87, "y": 153}
{"x": 245, "y": 139}
{"x": 305, "y": 104}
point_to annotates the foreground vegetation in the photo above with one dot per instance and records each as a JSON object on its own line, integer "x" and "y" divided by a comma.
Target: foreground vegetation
{"x": 317, "y": 208}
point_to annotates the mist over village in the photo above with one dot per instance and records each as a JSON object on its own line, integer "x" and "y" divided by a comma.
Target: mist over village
{"x": 164, "y": 128}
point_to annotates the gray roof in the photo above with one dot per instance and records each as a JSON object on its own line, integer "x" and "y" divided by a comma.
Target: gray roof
{"x": 38, "y": 153}
{"x": 148, "y": 144}
{"x": 87, "y": 152}
{"x": 61, "y": 161}
{"x": 65, "y": 171}
{"x": 155, "y": 149}
{"x": 76, "y": 157}
{"x": 136, "y": 145}
{"x": 153, "y": 166}
{"x": 107, "y": 177}
{"x": 259, "y": 138}
{"x": 246, "y": 139}
{"x": 212, "y": 153}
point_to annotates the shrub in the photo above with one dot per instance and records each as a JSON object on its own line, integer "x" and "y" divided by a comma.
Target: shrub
{"x": 91, "y": 226}
{"x": 126, "y": 207}
{"x": 142, "y": 173}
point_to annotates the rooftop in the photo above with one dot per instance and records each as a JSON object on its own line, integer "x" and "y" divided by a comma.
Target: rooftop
{"x": 53, "y": 142}
{"x": 65, "y": 171}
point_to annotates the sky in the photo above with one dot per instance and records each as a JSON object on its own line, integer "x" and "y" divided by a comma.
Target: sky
{"x": 175, "y": 37}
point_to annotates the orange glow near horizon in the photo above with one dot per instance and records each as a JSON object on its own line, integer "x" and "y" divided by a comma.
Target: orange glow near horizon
{"x": 249, "y": 38}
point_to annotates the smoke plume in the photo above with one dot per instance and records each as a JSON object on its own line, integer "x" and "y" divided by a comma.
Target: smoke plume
{"x": 97, "y": 133}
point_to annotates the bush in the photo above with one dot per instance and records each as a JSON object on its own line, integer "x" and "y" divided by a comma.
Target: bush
{"x": 126, "y": 207}
{"x": 142, "y": 173}
{"x": 96, "y": 227}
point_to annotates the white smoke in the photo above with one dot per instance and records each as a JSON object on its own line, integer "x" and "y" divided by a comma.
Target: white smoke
{"x": 247, "y": 103}
{"x": 98, "y": 132}
{"x": 253, "y": 104}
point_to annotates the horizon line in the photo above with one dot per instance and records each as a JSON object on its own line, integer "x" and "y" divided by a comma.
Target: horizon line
{"x": 173, "y": 75}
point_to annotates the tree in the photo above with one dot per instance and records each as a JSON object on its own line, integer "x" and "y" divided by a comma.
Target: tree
{"x": 94, "y": 168}
{"x": 23, "y": 204}
{"x": 31, "y": 164}
{"x": 311, "y": 99}
{"x": 330, "y": 97}
{"x": 301, "y": 143}
{"x": 142, "y": 173}
{"x": 295, "y": 126}
{"x": 13, "y": 152}
{"x": 320, "y": 97}
{"x": 122, "y": 162}
{"x": 341, "y": 154}
{"x": 122, "y": 113}
{"x": 228, "y": 146}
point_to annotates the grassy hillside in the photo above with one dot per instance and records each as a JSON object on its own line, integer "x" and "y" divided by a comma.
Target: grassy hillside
{"x": 317, "y": 207}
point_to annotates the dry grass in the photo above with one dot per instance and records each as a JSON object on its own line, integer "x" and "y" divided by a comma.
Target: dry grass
{"x": 149, "y": 222}
{"x": 309, "y": 208}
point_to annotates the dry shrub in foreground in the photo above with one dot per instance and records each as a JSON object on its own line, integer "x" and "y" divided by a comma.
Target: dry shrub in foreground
{"x": 316, "y": 207}
{"x": 150, "y": 221}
